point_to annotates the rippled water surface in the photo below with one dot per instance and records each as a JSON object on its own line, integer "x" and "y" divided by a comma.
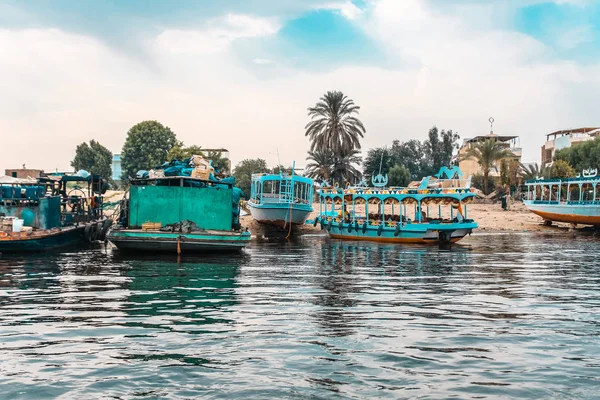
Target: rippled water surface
{"x": 499, "y": 316}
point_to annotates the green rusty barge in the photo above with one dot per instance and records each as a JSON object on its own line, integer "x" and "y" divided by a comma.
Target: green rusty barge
{"x": 180, "y": 214}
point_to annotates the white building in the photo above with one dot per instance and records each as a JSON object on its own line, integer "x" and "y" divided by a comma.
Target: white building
{"x": 566, "y": 138}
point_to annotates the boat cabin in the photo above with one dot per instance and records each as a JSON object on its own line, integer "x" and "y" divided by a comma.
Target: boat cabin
{"x": 436, "y": 200}
{"x": 583, "y": 189}
{"x": 52, "y": 201}
{"x": 281, "y": 189}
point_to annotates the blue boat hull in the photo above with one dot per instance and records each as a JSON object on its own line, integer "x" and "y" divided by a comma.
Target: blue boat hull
{"x": 409, "y": 233}
{"x": 65, "y": 237}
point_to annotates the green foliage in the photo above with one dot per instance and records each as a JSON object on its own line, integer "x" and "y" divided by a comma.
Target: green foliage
{"x": 334, "y": 124}
{"x": 94, "y": 158}
{"x": 324, "y": 165}
{"x": 282, "y": 169}
{"x": 376, "y": 158}
{"x": 399, "y": 175}
{"x": 345, "y": 167}
{"x": 147, "y": 145}
{"x": 487, "y": 153}
{"x": 533, "y": 171}
{"x": 562, "y": 169}
{"x": 181, "y": 152}
{"x": 243, "y": 173}
{"x": 510, "y": 173}
{"x": 486, "y": 186}
{"x": 581, "y": 155}
{"x": 221, "y": 164}
{"x": 420, "y": 158}
{"x": 411, "y": 154}
{"x": 449, "y": 144}
{"x": 320, "y": 164}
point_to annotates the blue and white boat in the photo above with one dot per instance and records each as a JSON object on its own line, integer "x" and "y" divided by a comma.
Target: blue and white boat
{"x": 281, "y": 199}
{"x": 571, "y": 200}
{"x": 433, "y": 210}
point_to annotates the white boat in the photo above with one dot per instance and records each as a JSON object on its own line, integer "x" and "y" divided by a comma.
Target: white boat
{"x": 281, "y": 199}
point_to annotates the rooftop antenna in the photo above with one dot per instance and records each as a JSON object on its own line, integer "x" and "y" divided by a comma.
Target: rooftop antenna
{"x": 491, "y": 125}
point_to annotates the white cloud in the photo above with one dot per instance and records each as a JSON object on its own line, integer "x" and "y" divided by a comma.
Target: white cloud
{"x": 216, "y": 36}
{"x": 262, "y": 61}
{"x": 347, "y": 9}
{"x": 59, "y": 89}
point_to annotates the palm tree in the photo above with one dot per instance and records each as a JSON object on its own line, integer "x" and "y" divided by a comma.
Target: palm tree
{"x": 320, "y": 164}
{"x": 487, "y": 153}
{"x": 533, "y": 171}
{"x": 344, "y": 167}
{"x": 323, "y": 164}
{"x": 334, "y": 125}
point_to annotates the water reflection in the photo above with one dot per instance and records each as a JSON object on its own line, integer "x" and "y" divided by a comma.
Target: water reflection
{"x": 185, "y": 294}
{"x": 497, "y": 316}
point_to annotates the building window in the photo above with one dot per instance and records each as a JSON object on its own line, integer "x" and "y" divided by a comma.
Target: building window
{"x": 14, "y": 174}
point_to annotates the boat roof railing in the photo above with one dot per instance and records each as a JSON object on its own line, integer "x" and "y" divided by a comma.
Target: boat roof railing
{"x": 279, "y": 177}
{"x": 144, "y": 181}
{"x": 581, "y": 179}
{"x": 587, "y": 175}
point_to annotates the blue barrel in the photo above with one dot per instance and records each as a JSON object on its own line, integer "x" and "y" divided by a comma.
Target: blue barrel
{"x": 31, "y": 192}
{"x": 7, "y": 192}
{"x": 28, "y": 217}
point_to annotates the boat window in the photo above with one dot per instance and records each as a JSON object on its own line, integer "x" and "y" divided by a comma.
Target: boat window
{"x": 573, "y": 192}
{"x": 587, "y": 192}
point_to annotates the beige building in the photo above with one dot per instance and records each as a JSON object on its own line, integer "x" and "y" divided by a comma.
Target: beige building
{"x": 24, "y": 173}
{"x": 566, "y": 138}
{"x": 470, "y": 166}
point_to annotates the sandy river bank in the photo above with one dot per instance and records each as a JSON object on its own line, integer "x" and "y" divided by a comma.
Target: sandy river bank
{"x": 490, "y": 217}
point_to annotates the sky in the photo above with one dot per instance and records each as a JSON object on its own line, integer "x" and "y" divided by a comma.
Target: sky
{"x": 241, "y": 75}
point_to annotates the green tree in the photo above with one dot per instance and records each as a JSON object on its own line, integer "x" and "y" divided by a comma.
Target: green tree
{"x": 320, "y": 164}
{"x": 433, "y": 147}
{"x": 411, "y": 154}
{"x": 334, "y": 124}
{"x": 243, "y": 173}
{"x": 94, "y": 158}
{"x": 221, "y": 164}
{"x": 581, "y": 155}
{"x": 449, "y": 143}
{"x": 279, "y": 169}
{"x": 562, "y": 169}
{"x": 376, "y": 158}
{"x": 147, "y": 145}
{"x": 478, "y": 181}
{"x": 487, "y": 154}
{"x": 399, "y": 175}
{"x": 439, "y": 149}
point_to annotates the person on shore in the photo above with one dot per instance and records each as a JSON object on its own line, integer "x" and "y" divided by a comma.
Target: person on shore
{"x": 504, "y": 200}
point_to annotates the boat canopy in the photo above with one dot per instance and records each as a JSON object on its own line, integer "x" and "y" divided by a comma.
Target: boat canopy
{"x": 582, "y": 189}
{"x": 281, "y": 188}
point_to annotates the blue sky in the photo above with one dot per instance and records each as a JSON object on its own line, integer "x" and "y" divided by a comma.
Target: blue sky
{"x": 241, "y": 74}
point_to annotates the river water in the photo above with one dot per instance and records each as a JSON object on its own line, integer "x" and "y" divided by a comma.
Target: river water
{"x": 513, "y": 316}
